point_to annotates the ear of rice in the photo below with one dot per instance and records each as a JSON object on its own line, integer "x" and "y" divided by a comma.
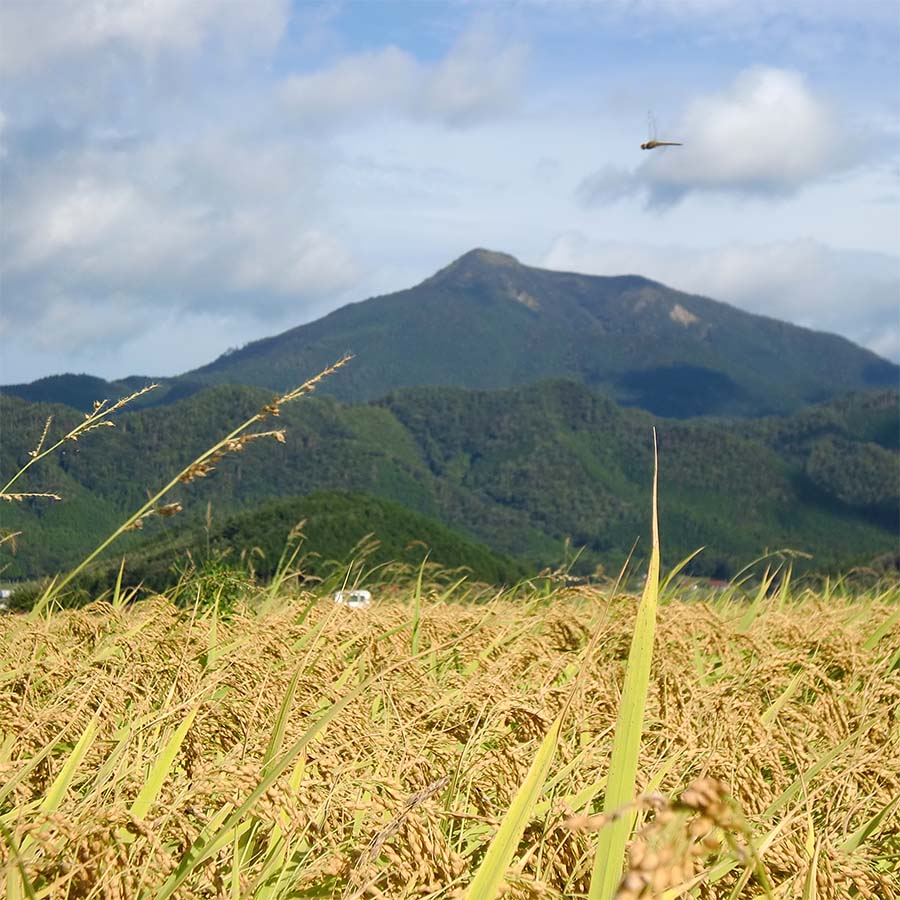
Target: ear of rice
{"x": 274, "y": 871}
{"x": 804, "y": 780}
{"x": 212, "y": 839}
{"x": 801, "y": 783}
{"x": 17, "y": 884}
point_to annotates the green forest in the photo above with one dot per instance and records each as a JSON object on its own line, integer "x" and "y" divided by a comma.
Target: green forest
{"x": 526, "y": 476}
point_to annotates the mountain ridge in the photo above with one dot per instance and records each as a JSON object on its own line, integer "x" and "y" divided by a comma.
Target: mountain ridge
{"x": 486, "y": 321}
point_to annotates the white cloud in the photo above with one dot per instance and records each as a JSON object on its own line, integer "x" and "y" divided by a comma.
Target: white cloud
{"x": 802, "y": 281}
{"x": 369, "y": 83}
{"x": 226, "y": 223}
{"x": 476, "y": 81}
{"x": 182, "y": 175}
{"x": 767, "y": 134}
{"x": 35, "y": 34}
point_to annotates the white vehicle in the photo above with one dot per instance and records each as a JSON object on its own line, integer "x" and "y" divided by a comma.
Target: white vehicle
{"x": 355, "y": 599}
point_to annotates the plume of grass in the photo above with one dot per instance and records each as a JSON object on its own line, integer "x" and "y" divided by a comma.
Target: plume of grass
{"x": 99, "y": 417}
{"x": 197, "y": 468}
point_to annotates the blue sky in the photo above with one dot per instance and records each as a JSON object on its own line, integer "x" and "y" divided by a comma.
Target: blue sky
{"x": 183, "y": 176}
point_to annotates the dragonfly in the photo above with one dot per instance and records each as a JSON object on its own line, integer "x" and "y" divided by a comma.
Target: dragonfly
{"x": 653, "y": 143}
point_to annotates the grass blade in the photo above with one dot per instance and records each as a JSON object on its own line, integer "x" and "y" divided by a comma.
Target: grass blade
{"x": 882, "y": 630}
{"x": 417, "y": 609}
{"x": 58, "y": 789}
{"x": 610, "y": 855}
{"x": 489, "y": 877}
{"x": 809, "y": 885}
{"x": 160, "y": 770}
{"x": 277, "y": 737}
{"x": 753, "y": 609}
{"x": 867, "y": 829}
{"x": 22, "y": 886}
{"x": 771, "y": 713}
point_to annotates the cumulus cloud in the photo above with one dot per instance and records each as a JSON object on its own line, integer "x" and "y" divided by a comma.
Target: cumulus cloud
{"x": 768, "y": 134}
{"x": 35, "y": 35}
{"x": 224, "y": 224}
{"x": 475, "y": 81}
{"x": 803, "y": 281}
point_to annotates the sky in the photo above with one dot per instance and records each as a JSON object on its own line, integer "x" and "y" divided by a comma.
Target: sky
{"x": 180, "y": 177}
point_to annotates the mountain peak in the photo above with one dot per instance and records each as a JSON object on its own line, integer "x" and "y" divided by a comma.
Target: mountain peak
{"x": 478, "y": 260}
{"x": 487, "y": 258}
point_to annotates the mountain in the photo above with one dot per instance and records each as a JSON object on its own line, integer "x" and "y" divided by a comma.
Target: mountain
{"x": 487, "y": 321}
{"x": 521, "y": 470}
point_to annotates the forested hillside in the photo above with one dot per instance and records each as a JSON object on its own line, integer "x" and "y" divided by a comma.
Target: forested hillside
{"x": 520, "y": 470}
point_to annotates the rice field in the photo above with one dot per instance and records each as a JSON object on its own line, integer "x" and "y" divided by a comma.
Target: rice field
{"x": 232, "y": 740}
{"x": 290, "y": 747}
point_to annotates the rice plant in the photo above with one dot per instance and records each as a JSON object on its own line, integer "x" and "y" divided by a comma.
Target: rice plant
{"x": 453, "y": 740}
